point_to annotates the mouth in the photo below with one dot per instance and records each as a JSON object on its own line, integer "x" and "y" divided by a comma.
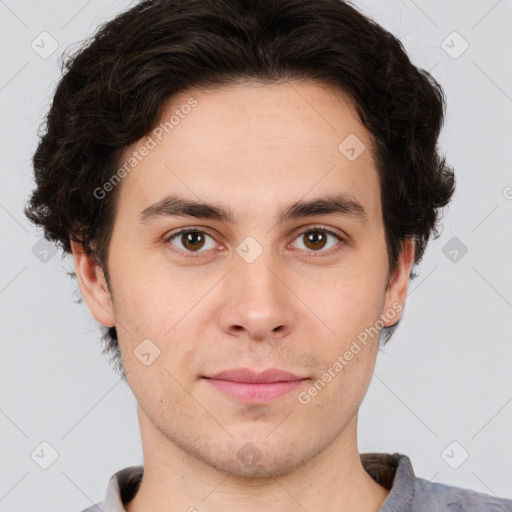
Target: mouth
{"x": 248, "y": 386}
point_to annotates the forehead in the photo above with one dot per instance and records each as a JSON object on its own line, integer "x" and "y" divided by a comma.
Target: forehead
{"x": 254, "y": 144}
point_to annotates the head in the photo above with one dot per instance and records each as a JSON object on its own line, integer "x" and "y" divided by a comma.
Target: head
{"x": 300, "y": 143}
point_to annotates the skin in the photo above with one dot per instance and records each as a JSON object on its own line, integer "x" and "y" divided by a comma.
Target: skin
{"x": 252, "y": 148}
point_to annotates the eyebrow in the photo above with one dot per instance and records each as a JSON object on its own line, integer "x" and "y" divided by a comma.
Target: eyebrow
{"x": 176, "y": 206}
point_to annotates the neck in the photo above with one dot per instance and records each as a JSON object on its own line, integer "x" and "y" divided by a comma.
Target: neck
{"x": 334, "y": 480}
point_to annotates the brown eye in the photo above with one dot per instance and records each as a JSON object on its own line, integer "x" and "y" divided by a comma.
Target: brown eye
{"x": 191, "y": 240}
{"x": 315, "y": 239}
{"x": 318, "y": 239}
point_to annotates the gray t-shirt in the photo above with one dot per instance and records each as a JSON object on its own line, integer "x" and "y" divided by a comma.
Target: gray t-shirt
{"x": 392, "y": 470}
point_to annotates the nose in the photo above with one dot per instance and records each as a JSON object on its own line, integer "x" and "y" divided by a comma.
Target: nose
{"x": 259, "y": 304}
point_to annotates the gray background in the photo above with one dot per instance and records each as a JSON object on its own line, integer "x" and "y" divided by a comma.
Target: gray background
{"x": 442, "y": 386}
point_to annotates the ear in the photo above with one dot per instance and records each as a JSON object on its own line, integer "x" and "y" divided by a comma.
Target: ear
{"x": 396, "y": 292}
{"x": 93, "y": 285}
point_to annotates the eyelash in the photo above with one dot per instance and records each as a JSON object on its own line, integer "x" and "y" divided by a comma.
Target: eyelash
{"x": 197, "y": 254}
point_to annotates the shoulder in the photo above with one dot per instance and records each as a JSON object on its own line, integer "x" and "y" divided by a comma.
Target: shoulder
{"x": 121, "y": 488}
{"x": 458, "y": 499}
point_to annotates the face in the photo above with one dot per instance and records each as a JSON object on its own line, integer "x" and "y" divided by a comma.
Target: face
{"x": 260, "y": 282}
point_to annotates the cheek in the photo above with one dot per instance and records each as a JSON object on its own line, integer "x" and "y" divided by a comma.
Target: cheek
{"x": 140, "y": 296}
{"x": 351, "y": 304}
{"x": 349, "y": 354}
{"x": 154, "y": 318}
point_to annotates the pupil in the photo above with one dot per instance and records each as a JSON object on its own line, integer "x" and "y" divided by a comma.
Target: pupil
{"x": 190, "y": 243}
{"x": 314, "y": 237}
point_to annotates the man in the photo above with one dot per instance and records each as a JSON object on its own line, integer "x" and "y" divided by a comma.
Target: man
{"x": 245, "y": 188}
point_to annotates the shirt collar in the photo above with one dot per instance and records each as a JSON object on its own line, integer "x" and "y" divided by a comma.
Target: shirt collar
{"x": 393, "y": 471}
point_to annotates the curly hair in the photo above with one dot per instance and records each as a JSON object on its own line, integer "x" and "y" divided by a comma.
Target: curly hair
{"x": 115, "y": 87}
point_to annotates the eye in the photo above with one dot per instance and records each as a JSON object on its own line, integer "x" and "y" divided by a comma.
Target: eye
{"x": 317, "y": 238}
{"x": 192, "y": 240}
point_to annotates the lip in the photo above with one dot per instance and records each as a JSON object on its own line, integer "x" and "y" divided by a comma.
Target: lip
{"x": 248, "y": 386}
{"x": 250, "y": 376}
